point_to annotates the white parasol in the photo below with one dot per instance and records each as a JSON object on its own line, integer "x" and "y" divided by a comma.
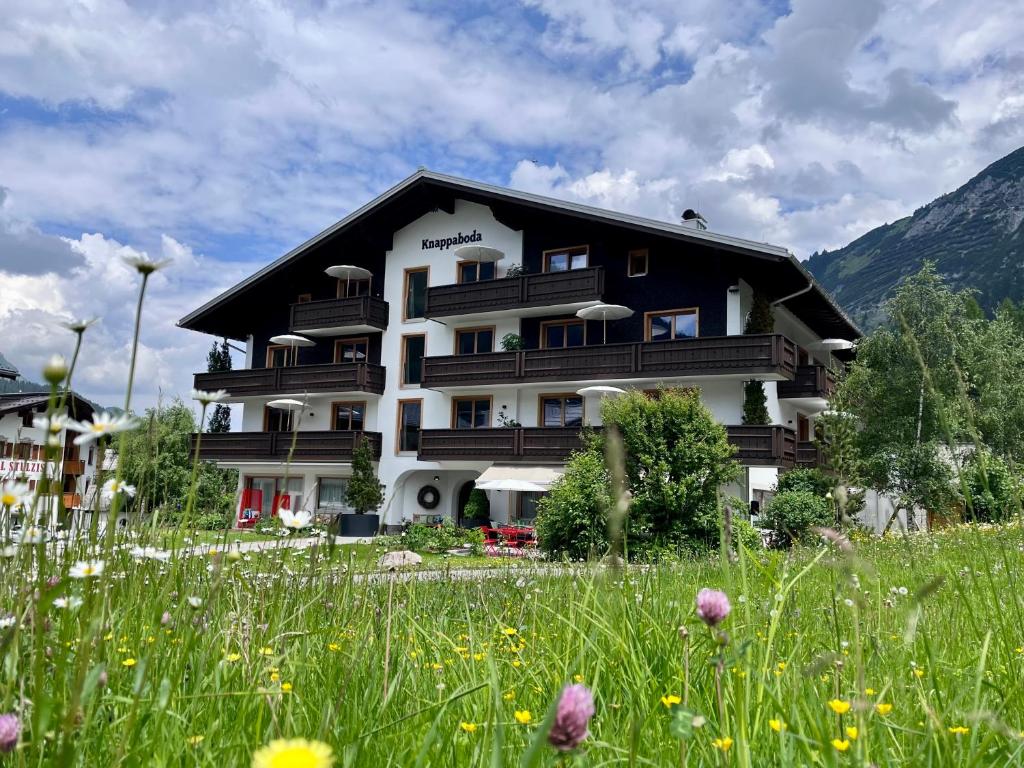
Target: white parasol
{"x": 348, "y": 273}
{"x": 286, "y": 404}
{"x": 604, "y": 312}
{"x": 600, "y": 390}
{"x": 294, "y": 341}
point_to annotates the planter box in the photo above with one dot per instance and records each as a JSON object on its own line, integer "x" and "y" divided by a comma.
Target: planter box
{"x": 358, "y": 525}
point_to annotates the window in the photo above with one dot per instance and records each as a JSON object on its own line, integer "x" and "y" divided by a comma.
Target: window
{"x": 331, "y": 494}
{"x": 564, "y": 259}
{"x": 278, "y": 356}
{"x": 471, "y": 412}
{"x": 471, "y": 341}
{"x": 671, "y": 324}
{"x": 353, "y": 288}
{"x": 304, "y": 298}
{"x": 528, "y": 505}
{"x": 349, "y": 416}
{"x": 474, "y": 271}
{"x": 277, "y": 420}
{"x": 409, "y": 417}
{"x": 563, "y": 333}
{"x": 351, "y": 350}
{"x": 413, "y": 349}
{"x": 561, "y": 410}
{"x": 415, "y": 301}
{"x": 636, "y": 263}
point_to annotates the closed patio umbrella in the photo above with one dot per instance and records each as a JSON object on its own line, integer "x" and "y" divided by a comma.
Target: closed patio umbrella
{"x": 604, "y": 312}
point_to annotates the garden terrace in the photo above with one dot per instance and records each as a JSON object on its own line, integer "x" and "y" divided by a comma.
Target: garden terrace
{"x": 548, "y": 292}
{"x": 325, "y": 446}
{"x": 768, "y": 446}
{"x": 295, "y": 380}
{"x": 332, "y": 317}
{"x": 770, "y": 355}
{"x": 810, "y": 381}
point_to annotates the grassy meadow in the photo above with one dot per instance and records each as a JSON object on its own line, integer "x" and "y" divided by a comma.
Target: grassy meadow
{"x": 918, "y": 643}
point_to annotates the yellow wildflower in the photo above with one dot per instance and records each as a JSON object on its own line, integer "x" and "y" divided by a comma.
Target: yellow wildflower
{"x": 670, "y": 700}
{"x": 195, "y": 740}
{"x": 869, "y": 691}
{"x": 508, "y": 695}
{"x": 883, "y": 709}
{"x": 293, "y": 753}
{"x": 959, "y": 730}
{"x": 468, "y": 727}
{"x": 233, "y": 657}
{"x": 523, "y": 716}
{"x": 129, "y": 662}
{"x": 510, "y": 631}
{"x": 724, "y": 743}
{"x": 918, "y": 672}
{"x": 577, "y": 678}
{"x": 286, "y": 687}
{"x": 839, "y": 706}
{"x": 841, "y": 744}
{"x": 777, "y": 725}
{"x": 852, "y": 732}
{"x": 333, "y": 647}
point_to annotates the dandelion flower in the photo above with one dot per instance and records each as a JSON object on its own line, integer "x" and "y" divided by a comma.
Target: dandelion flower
{"x": 572, "y": 718}
{"x": 129, "y": 662}
{"x": 670, "y": 700}
{"x": 468, "y": 727}
{"x": 712, "y": 606}
{"x": 10, "y": 730}
{"x": 295, "y": 520}
{"x": 883, "y": 709}
{"x": 523, "y": 716}
{"x": 102, "y": 424}
{"x": 839, "y": 706}
{"x": 85, "y": 569}
{"x": 294, "y": 753}
{"x": 724, "y": 743}
{"x": 841, "y": 744}
{"x": 777, "y": 725}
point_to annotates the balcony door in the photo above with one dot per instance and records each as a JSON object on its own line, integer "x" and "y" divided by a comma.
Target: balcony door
{"x": 561, "y": 410}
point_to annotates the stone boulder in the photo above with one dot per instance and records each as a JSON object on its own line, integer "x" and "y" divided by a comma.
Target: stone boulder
{"x": 400, "y": 559}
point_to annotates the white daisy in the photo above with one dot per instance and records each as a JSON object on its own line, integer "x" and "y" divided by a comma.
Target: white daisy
{"x": 141, "y": 263}
{"x": 79, "y": 326}
{"x": 151, "y": 553}
{"x": 7, "y": 621}
{"x": 295, "y": 520}
{"x": 102, "y": 424}
{"x": 85, "y": 569}
{"x": 14, "y": 494}
{"x": 32, "y": 534}
{"x": 195, "y": 602}
{"x": 113, "y": 487}
{"x": 219, "y": 396}
{"x": 67, "y": 602}
{"x": 53, "y": 425}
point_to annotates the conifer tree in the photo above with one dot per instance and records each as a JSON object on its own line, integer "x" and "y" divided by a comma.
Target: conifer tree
{"x": 218, "y": 360}
{"x": 365, "y": 492}
{"x": 760, "y": 320}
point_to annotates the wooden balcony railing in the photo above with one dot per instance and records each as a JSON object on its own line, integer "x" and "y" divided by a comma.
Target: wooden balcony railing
{"x": 547, "y": 289}
{"x": 72, "y": 500}
{"x": 335, "y": 315}
{"x": 329, "y": 446}
{"x": 705, "y": 356}
{"x": 767, "y": 446}
{"x": 809, "y": 455}
{"x": 296, "y": 380}
{"x": 74, "y": 467}
{"x": 810, "y": 381}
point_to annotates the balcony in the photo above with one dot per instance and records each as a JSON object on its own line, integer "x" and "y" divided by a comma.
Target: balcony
{"x": 72, "y": 500}
{"x": 545, "y": 293}
{"x": 334, "y": 317}
{"x": 74, "y": 467}
{"x": 763, "y": 446}
{"x": 769, "y": 355}
{"x": 811, "y": 381}
{"x": 809, "y": 455}
{"x": 320, "y": 447}
{"x": 295, "y": 380}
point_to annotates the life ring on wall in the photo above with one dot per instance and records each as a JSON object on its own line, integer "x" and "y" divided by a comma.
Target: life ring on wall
{"x": 428, "y": 497}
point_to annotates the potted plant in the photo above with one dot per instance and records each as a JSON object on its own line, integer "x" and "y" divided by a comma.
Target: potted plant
{"x": 512, "y": 342}
{"x": 365, "y": 494}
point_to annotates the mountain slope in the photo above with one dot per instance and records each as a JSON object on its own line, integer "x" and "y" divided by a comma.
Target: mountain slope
{"x": 975, "y": 235}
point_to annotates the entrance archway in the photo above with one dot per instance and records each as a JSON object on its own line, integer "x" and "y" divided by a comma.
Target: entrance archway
{"x": 460, "y": 504}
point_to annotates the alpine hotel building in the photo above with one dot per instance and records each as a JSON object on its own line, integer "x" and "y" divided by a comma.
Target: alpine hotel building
{"x": 401, "y": 310}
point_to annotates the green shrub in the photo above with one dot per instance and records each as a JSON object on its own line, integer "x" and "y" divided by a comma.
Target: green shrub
{"x": 212, "y": 521}
{"x": 744, "y": 534}
{"x": 790, "y": 515}
{"x": 477, "y": 506}
{"x": 813, "y": 480}
{"x": 991, "y": 492}
{"x": 572, "y": 519}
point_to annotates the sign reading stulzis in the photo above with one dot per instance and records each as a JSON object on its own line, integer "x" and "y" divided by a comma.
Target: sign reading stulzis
{"x": 444, "y": 243}
{"x": 21, "y": 468}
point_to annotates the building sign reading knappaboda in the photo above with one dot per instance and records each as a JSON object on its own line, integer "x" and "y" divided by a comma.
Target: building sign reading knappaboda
{"x": 447, "y": 242}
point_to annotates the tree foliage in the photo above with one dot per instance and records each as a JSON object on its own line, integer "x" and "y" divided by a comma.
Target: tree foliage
{"x": 157, "y": 459}
{"x": 791, "y": 515}
{"x": 365, "y": 492}
{"x": 760, "y": 320}
{"x": 217, "y": 361}
{"x": 572, "y": 518}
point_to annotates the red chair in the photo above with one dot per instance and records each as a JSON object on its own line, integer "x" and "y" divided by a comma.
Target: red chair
{"x": 492, "y": 545}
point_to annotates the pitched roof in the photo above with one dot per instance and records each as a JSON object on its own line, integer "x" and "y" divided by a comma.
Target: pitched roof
{"x": 17, "y": 402}
{"x": 7, "y": 369}
{"x": 812, "y": 298}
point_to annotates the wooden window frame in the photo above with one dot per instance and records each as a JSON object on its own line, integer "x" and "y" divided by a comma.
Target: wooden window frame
{"x": 401, "y": 360}
{"x": 339, "y": 293}
{"x": 398, "y": 423}
{"x": 476, "y": 329}
{"x": 458, "y": 271}
{"x": 405, "y": 291}
{"x": 266, "y": 421}
{"x": 338, "y": 343}
{"x": 545, "y": 324}
{"x": 334, "y": 406}
{"x": 629, "y": 262}
{"x": 474, "y": 399}
{"x": 695, "y": 311}
{"x": 519, "y": 503}
{"x": 304, "y": 298}
{"x": 562, "y": 396}
{"x": 270, "y": 350}
{"x": 546, "y": 255}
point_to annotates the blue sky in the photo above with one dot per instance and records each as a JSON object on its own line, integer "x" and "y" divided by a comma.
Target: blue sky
{"x": 224, "y": 133}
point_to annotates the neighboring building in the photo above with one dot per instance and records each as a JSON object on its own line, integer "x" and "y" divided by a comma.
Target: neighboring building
{"x": 22, "y": 454}
{"x": 411, "y": 357}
